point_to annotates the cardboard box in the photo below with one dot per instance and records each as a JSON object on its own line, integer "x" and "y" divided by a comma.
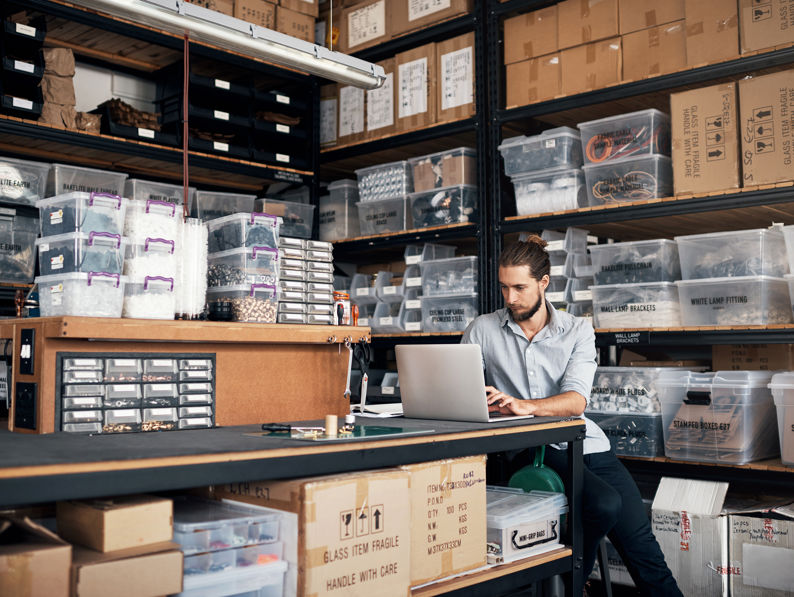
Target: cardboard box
{"x": 762, "y": 552}
{"x": 257, "y": 12}
{"x": 752, "y": 357}
{"x": 224, "y": 6}
{"x": 766, "y": 24}
{"x": 34, "y": 562}
{"x": 765, "y": 107}
{"x": 329, "y": 115}
{"x": 584, "y": 21}
{"x": 655, "y": 51}
{"x": 533, "y": 80}
{"x": 712, "y": 31}
{"x": 364, "y": 25}
{"x": 591, "y": 66}
{"x": 381, "y": 104}
{"x": 416, "y": 92}
{"x": 307, "y": 7}
{"x": 705, "y": 139}
{"x": 327, "y": 32}
{"x": 408, "y": 15}
{"x": 352, "y": 112}
{"x": 295, "y": 24}
{"x": 456, "y": 77}
{"x": 140, "y": 572}
{"x": 448, "y": 526}
{"x": 530, "y": 35}
{"x": 116, "y": 523}
{"x": 353, "y": 530}
{"x": 642, "y": 14}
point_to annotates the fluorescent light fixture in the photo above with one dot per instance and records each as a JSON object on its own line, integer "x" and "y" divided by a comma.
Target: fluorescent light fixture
{"x": 178, "y": 16}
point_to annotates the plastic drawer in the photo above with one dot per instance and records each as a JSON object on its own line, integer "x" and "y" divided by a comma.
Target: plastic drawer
{"x": 747, "y": 300}
{"x": 82, "y": 212}
{"x": 159, "y": 370}
{"x": 438, "y": 207}
{"x": 21, "y": 181}
{"x": 297, "y": 219}
{"x": 631, "y": 179}
{"x": 135, "y": 188}
{"x": 295, "y": 318}
{"x": 618, "y": 137}
{"x": 149, "y": 297}
{"x": 631, "y": 434}
{"x": 83, "y": 390}
{"x": 122, "y": 370}
{"x": 622, "y": 306}
{"x": 383, "y": 215}
{"x": 210, "y": 205}
{"x": 554, "y": 148}
{"x": 159, "y": 419}
{"x": 636, "y": 262}
{"x": 82, "y": 403}
{"x": 246, "y": 265}
{"x": 384, "y": 181}
{"x": 122, "y": 420}
{"x": 17, "y": 246}
{"x": 444, "y": 169}
{"x": 82, "y": 416}
{"x": 549, "y": 190}
{"x": 457, "y": 275}
{"x": 243, "y": 230}
{"x": 66, "y": 179}
{"x": 449, "y": 313}
{"x": 286, "y": 242}
{"x": 86, "y": 294}
{"x": 196, "y": 423}
{"x": 92, "y": 428}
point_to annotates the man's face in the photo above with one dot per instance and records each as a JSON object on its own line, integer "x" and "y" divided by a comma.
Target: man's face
{"x": 523, "y": 294}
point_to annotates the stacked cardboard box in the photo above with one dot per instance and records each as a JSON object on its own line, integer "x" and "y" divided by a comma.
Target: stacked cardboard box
{"x": 33, "y": 561}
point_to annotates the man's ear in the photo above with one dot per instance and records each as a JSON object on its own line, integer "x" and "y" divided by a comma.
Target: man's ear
{"x": 544, "y": 282}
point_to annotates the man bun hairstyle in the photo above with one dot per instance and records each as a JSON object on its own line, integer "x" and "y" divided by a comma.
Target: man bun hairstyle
{"x": 530, "y": 252}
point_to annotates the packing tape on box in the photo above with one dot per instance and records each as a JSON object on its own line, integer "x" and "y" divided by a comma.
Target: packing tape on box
{"x": 653, "y": 38}
{"x": 528, "y": 49}
{"x": 694, "y": 29}
{"x": 590, "y": 53}
{"x": 316, "y": 557}
{"x": 650, "y": 18}
{"x": 362, "y": 494}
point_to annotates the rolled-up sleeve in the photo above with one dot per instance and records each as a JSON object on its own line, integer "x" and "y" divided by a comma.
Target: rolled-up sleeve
{"x": 581, "y": 367}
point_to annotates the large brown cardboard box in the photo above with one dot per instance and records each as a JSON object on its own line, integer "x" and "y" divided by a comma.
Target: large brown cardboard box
{"x": 257, "y": 12}
{"x": 116, "y": 523}
{"x": 530, "y": 35}
{"x": 408, "y": 15}
{"x": 416, "y": 88}
{"x": 329, "y": 115}
{"x": 140, "y": 572}
{"x": 224, "y": 6}
{"x": 365, "y": 24}
{"x": 591, "y": 66}
{"x": 352, "y": 114}
{"x": 705, "y": 139}
{"x": 766, "y": 105}
{"x": 295, "y": 24}
{"x": 353, "y": 530}
{"x": 445, "y": 168}
{"x": 654, "y": 51}
{"x": 533, "y": 80}
{"x": 328, "y": 31}
{"x": 455, "y": 68}
{"x": 642, "y": 14}
{"x": 307, "y": 7}
{"x": 762, "y": 552}
{"x": 712, "y": 31}
{"x": 583, "y": 21}
{"x": 448, "y": 518}
{"x": 752, "y": 357}
{"x": 766, "y": 24}
{"x": 381, "y": 104}
{"x": 33, "y": 561}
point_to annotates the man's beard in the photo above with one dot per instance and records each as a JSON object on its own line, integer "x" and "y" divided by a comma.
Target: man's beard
{"x": 525, "y": 315}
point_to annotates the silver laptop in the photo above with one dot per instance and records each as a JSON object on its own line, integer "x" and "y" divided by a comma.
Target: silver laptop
{"x": 444, "y": 381}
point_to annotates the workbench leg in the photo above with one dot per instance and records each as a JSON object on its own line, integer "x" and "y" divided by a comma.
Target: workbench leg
{"x": 575, "y": 581}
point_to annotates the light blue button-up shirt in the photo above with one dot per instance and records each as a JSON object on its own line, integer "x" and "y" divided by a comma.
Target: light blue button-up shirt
{"x": 560, "y": 358}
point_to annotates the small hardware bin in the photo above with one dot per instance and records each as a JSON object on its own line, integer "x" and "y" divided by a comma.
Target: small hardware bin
{"x": 385, "y": 181}
{"x": 449, "y": 313}
{"x": 416, "y": 254}
{"x": 444, "y": 169}
{"x": 208, "y": 205}
{"x": 17, "y": 245}
{"x": 151, "y": 257}
{"x": 746, "y": 300}
{"x": 255, "y": 303}
{"x": 573, "y": 240}
{"x": 448, "y": 205}
{"x": 782, "y": 386}
{"x": 383, "y": 215}
{"x": 246, "y": 265}
{"x": 81, "y": 252}
{"x": 638, "y": 261}
{"x": 631, "y": 434}
{"x": 760, "y": 252}
{"x": 152, "y": 218}
{"x": 146, "y": 190}
{"x": 723, "y": 416}
{"x": 297, "y": 219}
{"x": 652, "y": 305}
{"x": 362, "y": 290}
{"x": 457, "y": 275}
{"x": 243, "y": 230}
{"x": 630, "y": 179}
{"x": 555, "y": 148}
{"x": 67, "y": 179}
{"x": 618, "y": 137}
{"x": 82, "y": 212}
{"x": 338, "y": 212}
{"x": 149, "y": 297}
{"x": 90, "y": 294}
{"x": 21, "y": 181}
{"x": 549, "y": 190}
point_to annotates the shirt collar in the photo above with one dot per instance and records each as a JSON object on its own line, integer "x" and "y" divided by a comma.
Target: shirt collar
{"x": 555, "y": 325}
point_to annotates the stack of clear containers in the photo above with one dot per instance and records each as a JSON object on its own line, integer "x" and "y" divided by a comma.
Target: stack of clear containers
{"x": 449, "y": 298}
{"x": 546, "y": 171}
{"x": 338, "y": 211}
{"x": 383, "y": 191}
{"x": 306, "y": 287}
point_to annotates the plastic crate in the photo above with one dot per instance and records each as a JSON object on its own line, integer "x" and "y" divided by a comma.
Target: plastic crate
{"x": 554, "y": 148}
{"x": 255, "y": 303}
{"x": 622, "y": 306}
{"x": 631, "y": 179}
{"x": 151, "y": 257}
{"x": 416, "y": 254}
{"x": 384, "y": 181}
{"x": 627, "y": 389}
{"x": 81, "y": 252}
{"x": 243, "y": 230}
{"x": 247, "y": 265}
{"x": 760, "y": 252}
{"x": 150, "y": 297}
{"x": 338, "y": 212}
{"x": 209, "y": 205}
{"x": 385, "y": 215}
{"x": 145, "y": 190}
{"x": 297, "y": 219}
{"x": 92, "y": 294}
{"x": 727, "y": 416}
{"x": 385, "y": 319}
{"x": 748, "y": 300}
{"x": 67, "y": 179}
{"x": 444, "y": 169}
{"x": 457, "y": 275}
{"x": 574, "y": 240}
{"x": 618, "y": 137}
{"x": 549, "y": 190}
{"x": 82, "y": 212}
{"x": 449, "y": 313}
{"x": 635, "y": 262}
{"x": 152, "y": 218}
{"x": 21, "y": 181}
{"x": 631, "y": 434}
{"x": 450, "y": 205}
{"x": 17, "y": 246}
{"x": 782, "y": 386}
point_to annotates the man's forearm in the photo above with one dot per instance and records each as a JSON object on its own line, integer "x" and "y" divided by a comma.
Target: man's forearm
{"x": 567, "y": 404}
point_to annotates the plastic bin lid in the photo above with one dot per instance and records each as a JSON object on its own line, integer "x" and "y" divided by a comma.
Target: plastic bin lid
{"x": 449, "y": 260}
{"x": 633, "y": 243}
{"x": 244, "y": 216}
{"x": 194, "y": 514}
{"x": 462, "y": 150}
{"x": 750, "y": 379}
{"x": 534, "y": 174}
{"x": 221, "y": 194}
{"x": 342, "y": 184}
{"x": 267, "y": 200}
{"x": 402, "y": 163}
{"x": 729, "y": 279}
{"x": 681, "y": 379}
{"x": 245, "y": 288}
{"x": 637, "y": 285}
{"x": 618, "y": 117}
{"x": 244, "y": 251}
{"x": 75, "y": 196}
{"x": 515, "y": 508}
{"x": 102, "y": 238}
{"x": 652, "y": 157}
{"x": 731, "y": 233}
{"x": 560, "y": 131}
{"x": 98, "y": 276}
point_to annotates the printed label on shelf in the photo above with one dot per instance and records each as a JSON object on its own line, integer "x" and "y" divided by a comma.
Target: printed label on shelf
{"x": 282, "y": 128}
{"x": 363, "y": 321}
{"x": 162, "y": 362}
{"x": 328, "y": 121}
{"x": 220, "y": 115}
{"x": 351, "y": 110}
{"x": 221, "y": 84}
{"x": 18, "y": 102}
{"x": 421, "y": 8}
{"x": 457, "y": 78}
{"x": 26, "y": 67}
{"x": 362, "y": 291}
{"x": 414, "y": 326}
{"x": 218, "y": 146}
{"x": 386, "y": 320}
{"x": 390, "y": 290}
{"x": 147, "y": 133}
{"x": 555, "y": 245}
{"x": 380, "y": 102}
{"x": 366, "y": 23}
{"x": 26, "y": 30}
{"x": 413, "y": 304}
{"x": 387, "y": 390}
{"x": 413, "y": 260}
{"x": 282, "y": 157}
{"x": 412, "y": 88}
{"x": 282, "y": 99}
{"x": 413, "y": 282}
{"x": 583, "y": 295}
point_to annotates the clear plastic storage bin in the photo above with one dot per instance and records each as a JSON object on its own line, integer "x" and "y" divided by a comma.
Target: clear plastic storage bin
{"x": 136, "y": 188}
{"x": 760, "y": 252}
{"x": 385, "y": 319}
{"x": 631, "y": 179}
{"x": 209, "y": 205}
{"x": 81, "y": 252}
{"x": 92, "y": 294}
{"x": 82, "y": 212}
{"x": 639, "y": 261}
{"x": 555, "y": 148}
{"x": 626, "y": 135}
{"x": 18, "y": 234}
{"x": 573, "y": 240}
{"x": 246, "y": 265}
{"x": 782, "y": 386}
{"x": 384, "y": 215}
{"x": 21, "y": 181}
{"x": 388, "y": 292}
{"x": 549, "y": 190}
{"x": 449, "y": 313}
{"x": 243, "y": 230}
{"x": 444, "y": 169}
{"x": 66, "y": 179}
{"x": 297, "y": 219}
{"x": 152, "y": 218}
{"x": 457, "y": 275}
{"x": 262, "y": 580}
{"x": 631, "y": 434}
{"x": 254, "y": 303}
{"x": 627, "y": 389}
{"x": 437, "y": 207}
{"x": 621, "y": 306}
{"x": 747, "y": 300}
{"x": 150, "y": 297}
{"x": 151, "y": 257}
{"x": 338, "y": 212}
{"x": 727, "y": 416}
{"x": 416, "y": 254}
{"x": 362, "y": 290}
{"x": 384, "y": 181}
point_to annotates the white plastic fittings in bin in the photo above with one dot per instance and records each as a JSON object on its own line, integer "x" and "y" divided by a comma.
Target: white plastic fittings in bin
{"x": 139, "y": 189}
{"x": 622, "y": 306}
{"x": 723, "y": 416}
{"x": 66, "y": 179}
{"x": 637, "y": 261}
{"x": 383, "y": 215}
{"x": 82, "y": 212}
{"x": 640, "y": 133}
{"x": 151, "y": 256}
{"x": 449, "y": 313}
{"x": 152, "y": 218}
{"x": 88, "y": 294}
{"x": 782, "y": 386}
{"x": 758, "y": 252}
{"x": 149, "y": 297}
{"x": 628, "y": 389}
{"x": 457, "y": 275}
{"x": 549, "y": 190}
{"x": 747, "y": 300}
{"x": 555, "y": 148}
{"x": 21, "y": 181}
{"x": 630, "y": 179}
